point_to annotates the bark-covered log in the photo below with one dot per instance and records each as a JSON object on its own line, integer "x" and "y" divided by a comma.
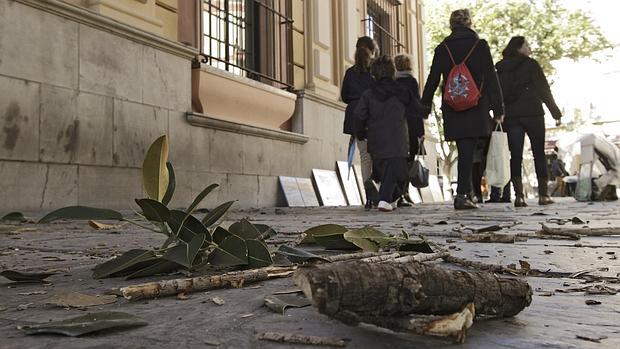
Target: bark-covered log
{"x": 350, "y": 290}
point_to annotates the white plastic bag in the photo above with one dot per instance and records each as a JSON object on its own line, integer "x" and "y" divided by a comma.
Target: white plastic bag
{"x": 498, "y": 159}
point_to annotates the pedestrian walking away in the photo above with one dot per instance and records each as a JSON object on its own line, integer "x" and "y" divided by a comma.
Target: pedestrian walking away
{"x": 525, "y": 89}
{"x": 415, "y": 114}
{"x": 381, "y": 118}
{"x": 358, "y": 79}
{"x": 465, "y": 51}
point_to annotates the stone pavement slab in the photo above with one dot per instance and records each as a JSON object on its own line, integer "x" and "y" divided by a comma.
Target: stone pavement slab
{"x": 553, "y": 320}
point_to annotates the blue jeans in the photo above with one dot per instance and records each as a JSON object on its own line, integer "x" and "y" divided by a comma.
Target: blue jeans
{"x": 534, "y": 127}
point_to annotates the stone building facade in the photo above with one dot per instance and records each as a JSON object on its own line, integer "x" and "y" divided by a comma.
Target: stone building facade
{"x": 87, "y": 85}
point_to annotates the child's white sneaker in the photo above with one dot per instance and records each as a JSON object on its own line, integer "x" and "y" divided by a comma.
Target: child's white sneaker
{"x": 385, "y": 206}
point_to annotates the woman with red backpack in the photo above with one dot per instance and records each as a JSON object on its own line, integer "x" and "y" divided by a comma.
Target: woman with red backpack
{"x": 525, "y": 89}
{"x": 470, "y": 91}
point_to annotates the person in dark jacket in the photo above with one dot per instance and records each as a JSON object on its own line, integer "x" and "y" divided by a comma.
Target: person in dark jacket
{"x": 358, "y": 79}
{"x": 465, "y": 127}
{"x": 415, "y": 116}
{"x": 381, "y": 118}
{"x": 526, "y": 89}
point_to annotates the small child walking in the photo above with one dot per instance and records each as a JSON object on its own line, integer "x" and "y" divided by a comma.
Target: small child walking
{"x": 381, "y": 119}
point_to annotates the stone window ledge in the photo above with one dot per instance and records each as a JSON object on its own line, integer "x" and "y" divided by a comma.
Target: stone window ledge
{"x": 203, "y": 120}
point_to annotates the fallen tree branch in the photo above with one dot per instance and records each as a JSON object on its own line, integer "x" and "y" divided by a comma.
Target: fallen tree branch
{"x": 350, "y": 291}
{"x": 603, "y": 231}
{"x": 301, "y": 339}
{"x": 422, "y": 257}
{"x": 235, "y": 279}
{"x": 364, "y": 255}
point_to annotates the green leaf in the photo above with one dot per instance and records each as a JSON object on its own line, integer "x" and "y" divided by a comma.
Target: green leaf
{"x": 245, "y": 230}
{"x": 232, "y": 251}
{"x": 414, "y": 245}
{"x": 184, "y": 254}
{"x": 81, "y": 212}
{"x": 196, "y": 202}
{"x": 172, "y": 184}
{"x": 13, "y": 217}
{"x": 155, "y": 176}
{"x": 214, "y": 215}
{"x": 84, "y": 324}
{"x": 258, "y": 254}
{"x": 154, "y": 210}
{"x": 191, "y": 227}
{"x": 19, "y": 276}
{"x": 368, "y": 238}
{"x": 325, "y": 229}
{"x": 154, "y": 267}
{"x": 220, "y": 234}
{"x": 297, "y": 255}
{"x": 266, "y": 232}
{"x": 122, "y": 263}
{"x": 279, "y": 302}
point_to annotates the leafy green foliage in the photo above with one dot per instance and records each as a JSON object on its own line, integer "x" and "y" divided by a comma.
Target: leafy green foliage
{"x": 231, "y": 252}
{"x": 172, "y": 184}
{"x": 258, "y": 254}
{"x": 81, "y": 212}
{"x": 155, "y": 175}
{"x": 154, "y": 210}
{"x": 214, "y": 215}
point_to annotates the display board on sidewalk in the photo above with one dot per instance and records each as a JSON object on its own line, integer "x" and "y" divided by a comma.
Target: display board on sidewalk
{"x": 298, "y": 192}
{"x": 349, "y": 183}
{"x": 328, "y": 186}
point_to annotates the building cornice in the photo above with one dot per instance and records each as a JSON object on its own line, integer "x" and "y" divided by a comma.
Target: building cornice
{"x": 95, "y": 20}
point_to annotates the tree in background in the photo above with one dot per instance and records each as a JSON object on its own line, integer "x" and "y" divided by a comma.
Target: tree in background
{"x": 553, "y": 31}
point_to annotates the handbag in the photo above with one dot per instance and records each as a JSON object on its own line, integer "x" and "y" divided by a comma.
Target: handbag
{"x": 498, "y": 158}
{"x": 418, "y": 173}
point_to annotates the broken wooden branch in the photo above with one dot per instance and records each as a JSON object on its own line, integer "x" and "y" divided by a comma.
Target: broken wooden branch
{"x": 453, "y": 325}
{"x": 364, "y": 255}
{"x": 233, "y": 279}
{"x": 490, "y": 238}
{"x": 576, "y": 232}
{"x": 349, "y": 291}
{"x": 422, "y": 257}
{"x": 301, "y": 339}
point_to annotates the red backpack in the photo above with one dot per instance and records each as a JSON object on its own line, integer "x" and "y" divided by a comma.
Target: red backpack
{"x": 460, "y": 91}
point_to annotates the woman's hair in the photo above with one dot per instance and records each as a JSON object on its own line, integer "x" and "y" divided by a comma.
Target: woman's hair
{"x": 364, "y": 49}
{"x": 383, "y": 67}
{"x": 513, "y": 47}
{"x": 460, "y": 19}
{"x": 403, "y": 62}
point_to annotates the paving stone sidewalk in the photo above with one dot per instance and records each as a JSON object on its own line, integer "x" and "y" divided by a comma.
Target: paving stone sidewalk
{"x": 553, "y": 320}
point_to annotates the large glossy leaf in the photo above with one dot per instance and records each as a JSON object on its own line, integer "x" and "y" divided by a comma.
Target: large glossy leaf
{"x": 84, "y": 324}
{"x": 279, "y": 302}
{"x": 172, "y": 184}
{"x": 185, "y": 254}
{"x": 191, "y": 227}
{"x": 325, "y": 229}
{"x": 124, "y": 262}
{"x": 154, "y": 210}
{"x": 155, "y": 176}
{"x": 266, "y": 232}
{"x": 13, "y": 217}
{"x": 20, "y": 276}
{"x": 258, "y": 254}
{"x": 196, "y": 202}
{"x": 245, "y": 230}
{"x": 154, "y": 267}
{"x": 214, "y": 215}
{"x": 297, "y": 255}
{"x": 220, "y": 234}
{"x": 81, "y": 212}
{"x": 232, "y": 251}
{"x": 368, "y": 238}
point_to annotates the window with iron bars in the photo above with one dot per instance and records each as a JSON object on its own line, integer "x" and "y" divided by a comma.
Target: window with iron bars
{"x": 383, "y": 23}
{"x": 251, "y": 38}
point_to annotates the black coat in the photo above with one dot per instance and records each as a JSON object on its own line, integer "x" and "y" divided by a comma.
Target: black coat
{"x": 415, "y": 119}
{"x": 380, "y": 117}
{"x": 534, "y": 88}
{"x": 474, "y": 122}
{"x": 355, "y": 82}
